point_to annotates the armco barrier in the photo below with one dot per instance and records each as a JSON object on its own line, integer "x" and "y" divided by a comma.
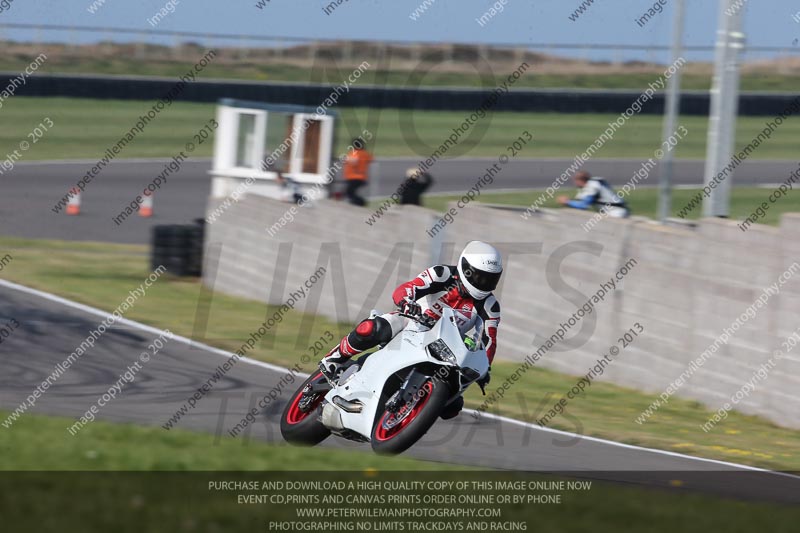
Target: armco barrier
{"x": 686, "y": 287}
{"x": 445, "y": 99}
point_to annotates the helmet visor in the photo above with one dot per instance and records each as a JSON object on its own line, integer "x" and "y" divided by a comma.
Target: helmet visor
{"x": 481, "y": 280}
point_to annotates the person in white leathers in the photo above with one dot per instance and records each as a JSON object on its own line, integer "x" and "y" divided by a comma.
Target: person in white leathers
{"x": 466, "y": 288}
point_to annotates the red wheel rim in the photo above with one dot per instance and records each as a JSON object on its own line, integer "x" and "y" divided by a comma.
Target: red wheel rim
{"x": 295, "y": 415}
{"x": 383, "y": 434}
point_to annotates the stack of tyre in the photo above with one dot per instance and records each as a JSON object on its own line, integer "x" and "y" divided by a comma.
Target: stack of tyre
{"x": 179, "y": 248}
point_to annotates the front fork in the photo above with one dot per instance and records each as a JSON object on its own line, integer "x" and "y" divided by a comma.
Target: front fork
{"x": 408, "y": 394}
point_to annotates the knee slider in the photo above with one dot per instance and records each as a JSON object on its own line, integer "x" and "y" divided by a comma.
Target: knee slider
{"x": 366, "y": 328}
{"x": 370, "y": 332}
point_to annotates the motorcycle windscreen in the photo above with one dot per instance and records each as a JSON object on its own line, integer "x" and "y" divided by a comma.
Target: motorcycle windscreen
{"x": 447, "y": 330}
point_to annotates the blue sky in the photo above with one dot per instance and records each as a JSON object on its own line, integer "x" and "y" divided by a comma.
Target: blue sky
{"x": 767, "y": 22}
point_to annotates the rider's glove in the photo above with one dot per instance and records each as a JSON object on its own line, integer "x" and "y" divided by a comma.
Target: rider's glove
{"x": 408, "y": 306}
{"x": 485, "y": 379}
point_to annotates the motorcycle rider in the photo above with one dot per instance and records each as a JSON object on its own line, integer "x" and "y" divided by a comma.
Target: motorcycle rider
{"x": 466, "y": 288}
{"x": 597, "y": 193}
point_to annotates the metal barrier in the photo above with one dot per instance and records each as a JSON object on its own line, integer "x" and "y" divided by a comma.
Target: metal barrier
{"x": 442, "y": 99}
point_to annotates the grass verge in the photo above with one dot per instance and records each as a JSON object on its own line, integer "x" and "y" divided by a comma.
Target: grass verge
{"x": 41, "y": 443}
{"x": 138, "y": 479}
{"x": 102, "y": 274}
{"x": 85, "y": 128}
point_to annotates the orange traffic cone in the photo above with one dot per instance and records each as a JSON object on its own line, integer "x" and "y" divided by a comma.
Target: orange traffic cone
{"x": 74, "y": 205}
{"x": 146, "y": 209}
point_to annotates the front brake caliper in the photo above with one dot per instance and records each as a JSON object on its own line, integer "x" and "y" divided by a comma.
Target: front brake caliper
{"x": 394, "y": 402}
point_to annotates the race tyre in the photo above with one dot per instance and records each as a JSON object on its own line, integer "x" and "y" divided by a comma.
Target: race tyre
{"x": 302, "y": 426}
{"x": 394, "y": 433}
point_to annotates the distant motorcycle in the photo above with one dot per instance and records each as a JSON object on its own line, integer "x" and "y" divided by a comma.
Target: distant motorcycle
{"x": 391, "y": 397}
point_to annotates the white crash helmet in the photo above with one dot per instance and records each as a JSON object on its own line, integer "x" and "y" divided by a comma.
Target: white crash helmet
{"x": 479, "y": 269}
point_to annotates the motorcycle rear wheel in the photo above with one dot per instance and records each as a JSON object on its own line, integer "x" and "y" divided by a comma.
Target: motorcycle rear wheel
{"x": 303, "y": 428}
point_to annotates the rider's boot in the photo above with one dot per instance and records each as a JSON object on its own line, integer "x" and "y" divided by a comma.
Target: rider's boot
{"x": 368, "y": 334}
{"x": 335, "y": 360}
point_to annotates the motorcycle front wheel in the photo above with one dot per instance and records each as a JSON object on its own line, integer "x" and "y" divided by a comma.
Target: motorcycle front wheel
{"x": 395, "y": 432}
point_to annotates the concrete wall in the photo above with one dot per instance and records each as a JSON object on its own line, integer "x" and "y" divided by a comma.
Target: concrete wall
{"x": 687, "y": 286}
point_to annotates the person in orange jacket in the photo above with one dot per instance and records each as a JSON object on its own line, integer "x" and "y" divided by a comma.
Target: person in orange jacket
{"x": 356, "y": 171}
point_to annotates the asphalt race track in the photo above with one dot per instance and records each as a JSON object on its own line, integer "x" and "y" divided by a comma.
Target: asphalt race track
{"x": 31, "y": 190}
{"x": 51, "y": 328}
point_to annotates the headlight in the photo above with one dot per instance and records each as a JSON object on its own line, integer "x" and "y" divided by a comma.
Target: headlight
{"x": 439, "y": 350}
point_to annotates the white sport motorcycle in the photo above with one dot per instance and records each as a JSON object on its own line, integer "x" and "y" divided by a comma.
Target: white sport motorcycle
{"x": 392, "y": 396}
